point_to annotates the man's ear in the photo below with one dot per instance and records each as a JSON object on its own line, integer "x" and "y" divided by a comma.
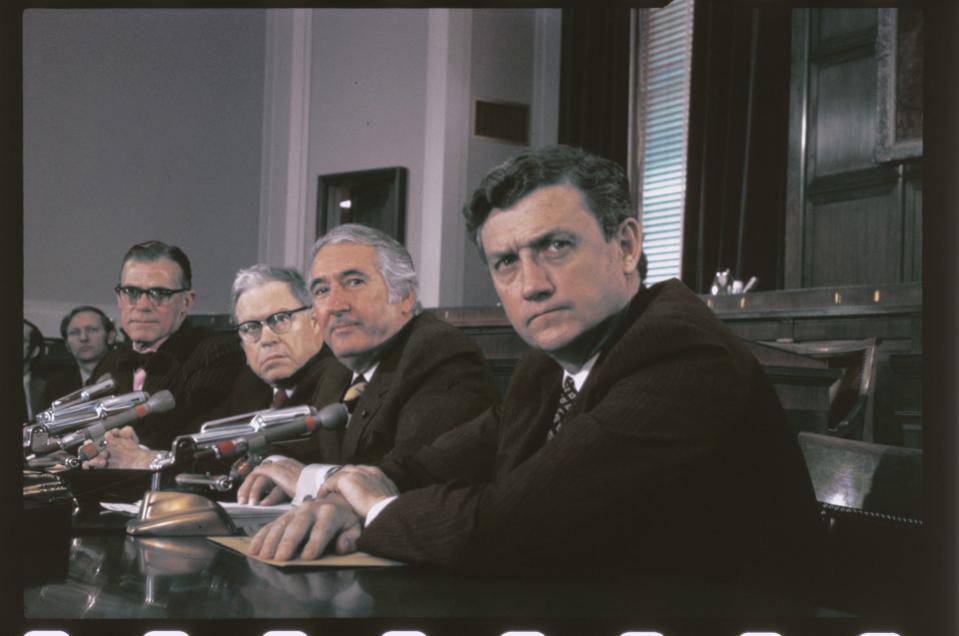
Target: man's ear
{"x": 189, "y": 297}
{"x": 315, "y": 325}
{"x": 629, "y": 237}
{"x": 407, "y": 303}
{"x": 111, "y": 338}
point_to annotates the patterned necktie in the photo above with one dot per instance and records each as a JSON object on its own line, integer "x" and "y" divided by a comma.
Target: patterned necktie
{"x": 279, "y": 398}
{"x": 353, "y": 393}
{"x": 566, "y": 399}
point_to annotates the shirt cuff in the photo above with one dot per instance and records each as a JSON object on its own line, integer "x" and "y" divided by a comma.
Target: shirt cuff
{"x": 377, "y": 508}
{"x": 311, "y": 478}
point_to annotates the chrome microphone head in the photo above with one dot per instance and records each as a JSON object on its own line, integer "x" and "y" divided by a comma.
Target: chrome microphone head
{"x": 78, "y": 415}
{"x": 274, "y": 417}
{"x": 104, "y": 385}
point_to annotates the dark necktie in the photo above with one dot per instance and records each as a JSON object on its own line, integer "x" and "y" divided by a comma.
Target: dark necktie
{"x": 279, "y": 398}
{"x": 141, "y": 360}
{"x": 566, "y": 398}
{"x": 353, "y": 393}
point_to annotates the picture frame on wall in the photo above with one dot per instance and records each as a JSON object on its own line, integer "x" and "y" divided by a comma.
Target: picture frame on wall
{"x": 899, "y": 61}
{"x": 375, "y": 198}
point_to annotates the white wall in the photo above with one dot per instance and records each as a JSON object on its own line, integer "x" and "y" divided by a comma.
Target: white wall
{"x": 388, "y": 87}
{"x": 515, "y": 58}
{"x": 368, "y": 99}
{"x": 138, "y": 124}
{"x": 208, "y": 128}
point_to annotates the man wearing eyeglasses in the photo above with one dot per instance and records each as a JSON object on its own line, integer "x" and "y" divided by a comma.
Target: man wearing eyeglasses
{"x": 285, "y": 357}
{"x": 410, "y": 378}
{"x": 163, "y": 351}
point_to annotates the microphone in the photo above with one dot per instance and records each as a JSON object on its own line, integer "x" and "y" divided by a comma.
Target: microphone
{"x": 105, "y": 384}
{"x": 243, "y": 425}
{"x": 159, "y": 402}
{"x": 330, "y": 417}
{"x": 78, "y": 415}
{"x": 241, "y": 419}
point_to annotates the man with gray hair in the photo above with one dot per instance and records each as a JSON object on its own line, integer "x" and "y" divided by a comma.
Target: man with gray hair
{"x": 412, "y": 376}
{"x": 285, "y": 357}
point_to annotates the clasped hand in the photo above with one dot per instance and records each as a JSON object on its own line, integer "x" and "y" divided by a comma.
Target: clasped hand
{"x": 335, "y": 514}
{"x": 120, "y": 448}
{"x": 318, "y": 522}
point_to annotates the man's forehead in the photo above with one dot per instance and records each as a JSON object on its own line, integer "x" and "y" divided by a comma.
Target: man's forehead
{"x": 156, "y": 268}
{"x": 265, "y": 300}
{"x": 86, "y": 317}
{"x": 503, "y": 233}
{"x": 549, "y": 209}
{"x": 342, "y": 258}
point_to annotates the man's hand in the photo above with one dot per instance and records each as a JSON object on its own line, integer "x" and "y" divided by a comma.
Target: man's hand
{"x": 276, "y": 480}
{"x": 121, "y": 449}
{"x": 319, "y": 522}
{"x": 361, "y": 486}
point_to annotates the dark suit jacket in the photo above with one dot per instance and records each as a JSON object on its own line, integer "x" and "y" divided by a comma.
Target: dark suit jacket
{"x": 250, "y": 393}
{"x": 67, "y": 381}
{"x": 195, "y": 364}
{"x": 676, "y": 454}
{"x": 430, "y": 379}
{"x": 38, "y": 387}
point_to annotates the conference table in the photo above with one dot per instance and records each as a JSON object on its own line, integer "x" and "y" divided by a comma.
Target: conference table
{"x": 165, "y": 582}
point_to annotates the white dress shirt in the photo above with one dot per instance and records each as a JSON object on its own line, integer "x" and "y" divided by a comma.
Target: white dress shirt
{"x": 313, "y": 475}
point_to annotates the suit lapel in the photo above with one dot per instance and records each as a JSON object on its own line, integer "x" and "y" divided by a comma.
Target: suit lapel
{"x": 529, "y": 418}
{"x": 332, "y": 386}
{"x": 362, "y": 421}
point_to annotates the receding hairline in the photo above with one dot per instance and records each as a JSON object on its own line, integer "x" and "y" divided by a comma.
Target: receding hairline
{"x": 153, "y": 259}
{"x": 286, "y": 286}
{"x": 376, "y": 265}
{"x": 583, "y": 199}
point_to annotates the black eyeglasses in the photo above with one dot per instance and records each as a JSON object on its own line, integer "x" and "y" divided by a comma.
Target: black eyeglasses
{"x": 280, "y": 322}
{"x": 157, "y": 295}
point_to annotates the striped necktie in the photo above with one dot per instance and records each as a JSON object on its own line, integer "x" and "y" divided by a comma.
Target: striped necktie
{"x": 566, "y": 399}
{"x": 353, "y": 393}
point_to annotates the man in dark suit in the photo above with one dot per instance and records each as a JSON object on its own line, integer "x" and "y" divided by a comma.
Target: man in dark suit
{"x": 163, "y": 351}
{"x": 410, "y": 376}
{"x": 89, "y": 334}
{"x": 285, "y": 357}
{"x": 638, "y": 432}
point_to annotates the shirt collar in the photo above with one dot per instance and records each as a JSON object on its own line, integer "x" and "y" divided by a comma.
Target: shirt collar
{"x": 153, "y": 347}
{"x": 579, "y": 378}
{"x": 367, "y": 375}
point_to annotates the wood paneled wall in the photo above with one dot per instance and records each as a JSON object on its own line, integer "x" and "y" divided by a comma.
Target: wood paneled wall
{"x": 891, "y": 312}
{"x": 850, "y": 219}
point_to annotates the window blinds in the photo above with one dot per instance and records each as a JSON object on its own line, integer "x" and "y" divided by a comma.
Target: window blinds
{"x": 663, "y": 57}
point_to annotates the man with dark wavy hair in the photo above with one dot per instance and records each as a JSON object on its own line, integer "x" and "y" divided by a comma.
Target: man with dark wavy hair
{"x": 639, "y": 431}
